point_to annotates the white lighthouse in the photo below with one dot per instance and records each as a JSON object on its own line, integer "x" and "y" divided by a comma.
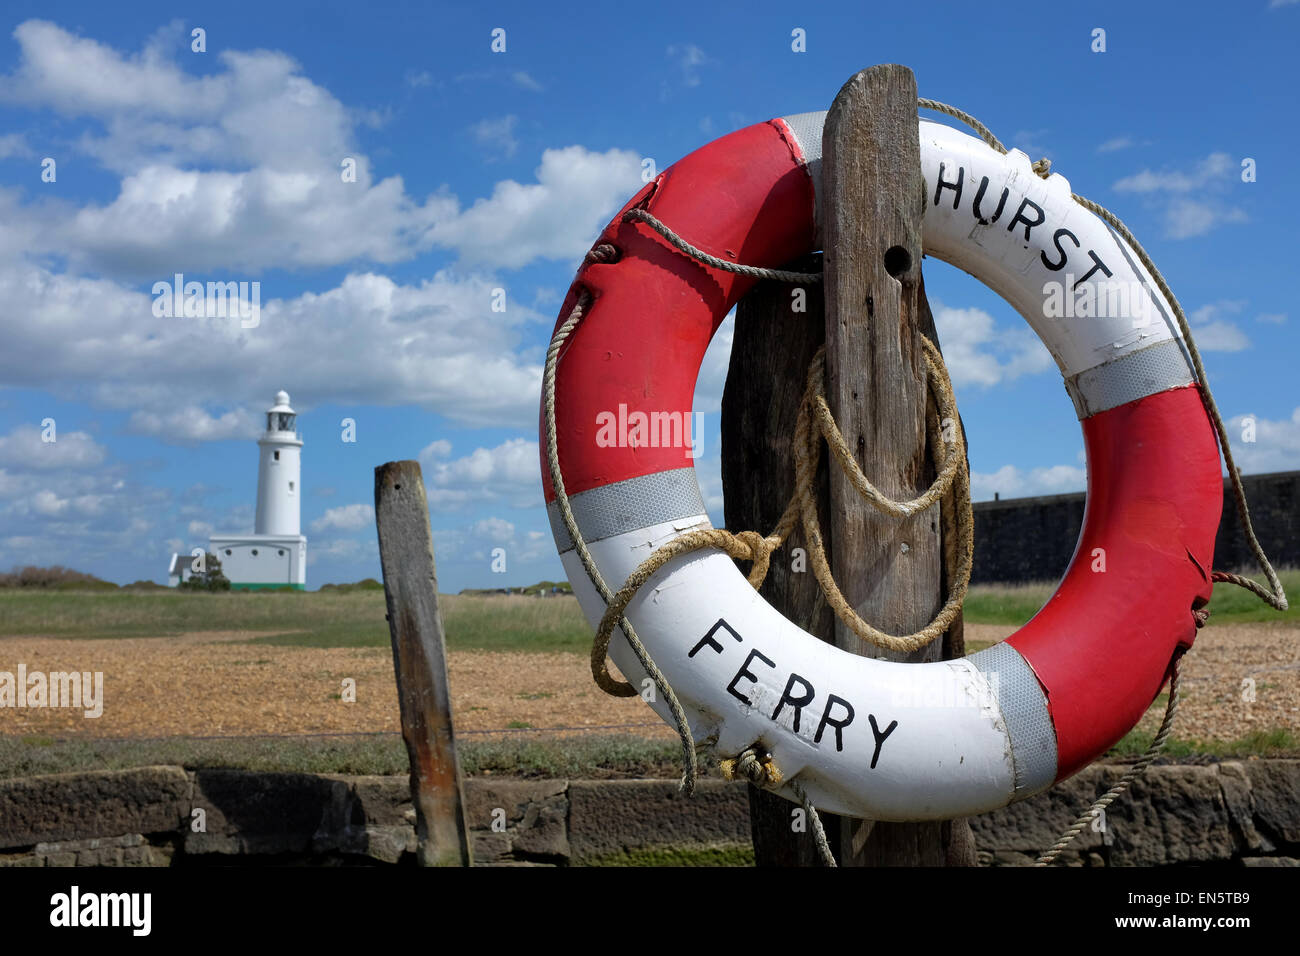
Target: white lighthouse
{"x": 275, "y": 554}
{"x": 279, "y": 471}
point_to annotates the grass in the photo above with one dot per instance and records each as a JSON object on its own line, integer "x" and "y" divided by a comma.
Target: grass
{"x": 356, "y": 617}
{"x": 600, "y": 757}
{"x": 335, "y": 618}
{"x": 1014, "y": 604}
{"x": 1259, "y": 743}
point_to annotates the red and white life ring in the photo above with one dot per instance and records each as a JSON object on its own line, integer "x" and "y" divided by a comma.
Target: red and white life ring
{"x": 868, "y": 738}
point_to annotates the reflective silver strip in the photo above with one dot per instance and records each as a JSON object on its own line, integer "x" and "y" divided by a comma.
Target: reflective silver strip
{"x": 807, "y": 130}
{"x": 1147, "y": 371}
{"x": 629, "y": 505}
{"x": 1024, "y": 710}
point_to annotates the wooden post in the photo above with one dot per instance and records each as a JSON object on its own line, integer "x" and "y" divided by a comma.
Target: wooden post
{"x": 419, "y": 660}
{"x": 779, "y": 328}
{"x": 889, "y": 569}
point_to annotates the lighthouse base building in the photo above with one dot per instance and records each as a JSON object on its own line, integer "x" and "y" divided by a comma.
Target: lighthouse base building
{"x": 253, "y": 561}
{"x": 275, "y": 554}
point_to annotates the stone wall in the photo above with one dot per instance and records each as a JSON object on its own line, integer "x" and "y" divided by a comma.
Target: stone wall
{"x": 1033, "y": 539}
{"x": 1244, "y": 813}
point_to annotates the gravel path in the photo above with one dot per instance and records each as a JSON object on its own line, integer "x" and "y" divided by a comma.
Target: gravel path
{"x": 211, "y": 683}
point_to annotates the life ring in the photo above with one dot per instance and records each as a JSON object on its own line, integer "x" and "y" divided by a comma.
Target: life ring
{"x": 869, "y": 738}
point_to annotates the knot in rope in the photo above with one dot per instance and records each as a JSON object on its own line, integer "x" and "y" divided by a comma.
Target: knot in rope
{"x": 758, "y": 770}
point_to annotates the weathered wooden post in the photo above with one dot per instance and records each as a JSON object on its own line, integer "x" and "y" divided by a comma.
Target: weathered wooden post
{"x": 889, "y": 569}
{"x": 420, "y": 663}
{"x": 778, "y": 331}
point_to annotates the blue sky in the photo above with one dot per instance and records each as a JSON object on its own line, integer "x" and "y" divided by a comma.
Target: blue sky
{"x": 479, "y": 170}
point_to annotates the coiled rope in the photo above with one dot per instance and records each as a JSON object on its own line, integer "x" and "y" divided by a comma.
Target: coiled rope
{"x": 814, "y": 424}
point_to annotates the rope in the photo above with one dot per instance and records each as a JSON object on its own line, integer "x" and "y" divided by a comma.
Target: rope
{"x": 1109, "y": 797}
{"x": 689, "y": 759}
{"x": 754, "y": 272}
{"x": 761, "y": 772}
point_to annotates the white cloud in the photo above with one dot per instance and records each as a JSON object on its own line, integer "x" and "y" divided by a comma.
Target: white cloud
{"x": 576, "y": 192}
{"x": 1214, "y": 168}
{"x": 1188, "y": 218}
{"x": 1012, "y": 482}
{"x": 1170, "y": 189}
{"x": 525, "y": 82}
{"x": 419, "y": 78}
{"x": 14, "y": 144}
{"x": 435, "y": 344}
{"x": 1212, "y": 332}
{"x": 1220, "y": 337}
{"x": 270, "y": 191}
{"x": 24, "y": 449}
{"x": 493, "y": 529}
{"x": 510, "y": 473}
{"x": 346, "y": 518}
{"x": 1113, "y": 145}
{"x": 364, "y": 550}
{"x": 1272, "y": 318}
{"x": 192, "y": 423}
{"x": 497, "y": 135}
{"x": 1276, "y": 446}
{"x": 978, "y": 352}
{"x": 687, "y": 59}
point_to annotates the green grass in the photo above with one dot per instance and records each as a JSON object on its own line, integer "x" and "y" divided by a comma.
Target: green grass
{"x": 354, "y": 617}
{"x": 1014, "y": 604}
{"x": 606, "y": 756}
{"x": 334, "y": 618}
{"x": 1260, "y": 743}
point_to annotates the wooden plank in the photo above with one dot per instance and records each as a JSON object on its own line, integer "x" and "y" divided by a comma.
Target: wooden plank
{"x": 889, "y": 569}
{"x": 420, "y": 664}
{"x": 770, "y": 353}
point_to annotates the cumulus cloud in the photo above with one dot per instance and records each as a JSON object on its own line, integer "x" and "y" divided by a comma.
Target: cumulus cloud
{"x": 509, "y": 473}
{"x": 24, "y": 448}
{"x": 434, "y": 344}
{"x": 346, "y": 518}
{"x": 576, "y": 192}
{"x": 979, "y": 352}
{"x": 243, "y": 169}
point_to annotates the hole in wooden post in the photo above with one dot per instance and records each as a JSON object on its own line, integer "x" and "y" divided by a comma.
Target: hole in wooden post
{"x": 897, "y": 261}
